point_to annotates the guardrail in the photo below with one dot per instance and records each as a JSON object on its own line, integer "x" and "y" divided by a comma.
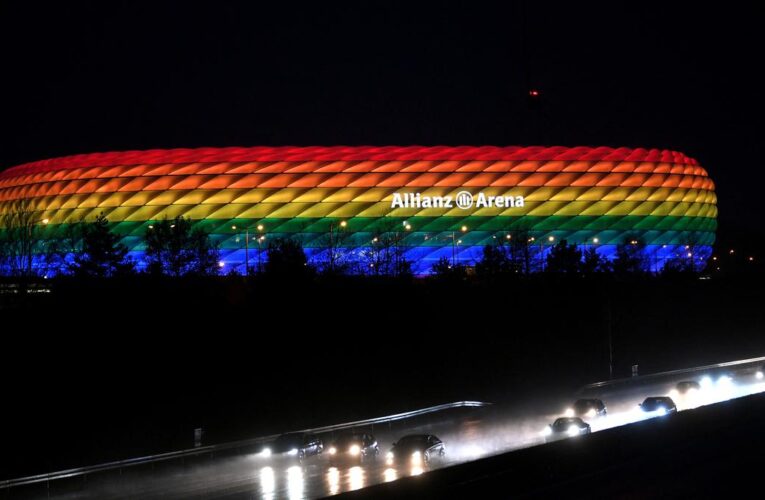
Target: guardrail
{"x": 659, "y": 375}
{"x": 201, "y": 450}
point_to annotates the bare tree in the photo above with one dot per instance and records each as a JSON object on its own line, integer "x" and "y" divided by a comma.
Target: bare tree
{"x": 21, "y": 240}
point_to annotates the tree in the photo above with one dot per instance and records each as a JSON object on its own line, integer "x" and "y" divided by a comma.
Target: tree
{"x": 495, "y": 261}
{"x": 286, "y": 258}
{"x": 593, "y": 263}
{"x": 337, "y": 252}
{"x": 102, "y": 253}
{"x": 176, "y": 248}
{"x": 564, "y": 258}
{"x": 21, "y": 241}
{"x": 630, "y": 257}
{"x": 521, "y": 252}
{"x": 385, "y": 256}
{"x": 443, "y": 270}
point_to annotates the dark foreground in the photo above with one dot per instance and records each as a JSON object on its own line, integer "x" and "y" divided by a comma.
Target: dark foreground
{"x": 100, "y": 371}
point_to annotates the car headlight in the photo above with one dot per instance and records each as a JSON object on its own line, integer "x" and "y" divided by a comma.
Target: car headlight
{"x": 759, "y": 375}
{"x": 592, "y": 413}
{"x": 706, "y": 381}
{"x": 354, "y": 449}
{"x": 661, "y": 411}
{"x": 265, "y": 452}
{"x": 673, "y": 393}
{"x": 416, "y": 458}
{"x": 724, "y": 380}
{"x": 573, "y": 430}
{"x": 692, "y": 391}
{"x": 546, "y": 431}
{"x": 332, "y": 450}
{"x": 293, "y": 452}
{"x": 569, "y": 412}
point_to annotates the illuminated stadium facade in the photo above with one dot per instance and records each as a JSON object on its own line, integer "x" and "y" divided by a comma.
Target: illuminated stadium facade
{"x": 344, "y": 199}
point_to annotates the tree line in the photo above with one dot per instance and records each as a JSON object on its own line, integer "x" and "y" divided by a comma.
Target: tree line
{"x": 176, "y": 247}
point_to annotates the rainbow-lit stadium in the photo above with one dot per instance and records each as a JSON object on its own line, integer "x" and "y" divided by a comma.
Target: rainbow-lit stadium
{"x": 351, "y": 198}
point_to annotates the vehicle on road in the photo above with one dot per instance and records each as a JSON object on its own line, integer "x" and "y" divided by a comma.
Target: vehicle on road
{"x": 686, "y": 389}
{"x": 417, "y": 449}
{"x": 297, "y": 445}
{"x": 565, "y": 427}
{"x": 353, "y": 447}
{"x": 660, "y": 405}
{"x": 587, "y": 408}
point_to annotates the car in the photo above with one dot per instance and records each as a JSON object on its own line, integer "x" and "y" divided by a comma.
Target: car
{"x": 352, "y": 446}
{"x": 589, "y": 408}
{"x": 660, "y": 405}
{"x": 417, "y": 449}
{"x": 565, "y": 427}
{"x": 760, "y": 373}
{"x": 295, "y": 444}
{"x": 686, "y": 388}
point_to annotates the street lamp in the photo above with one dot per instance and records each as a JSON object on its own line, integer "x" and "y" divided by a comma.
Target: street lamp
{"x": 260, "y": 239}
{"x": 464, "y": 230}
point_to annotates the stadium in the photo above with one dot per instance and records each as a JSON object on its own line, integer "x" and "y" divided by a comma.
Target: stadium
{"x": 341, "y": 201}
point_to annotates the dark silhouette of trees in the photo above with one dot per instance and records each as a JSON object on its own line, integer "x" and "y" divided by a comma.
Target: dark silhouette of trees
{"x": 521, "y": 252}
{"x": 286, "y": 258}
{"x": 175, "y": 248}
{"x": 102, "y": 255}
{"x": 593, "y": 263}
{"x": 24, "y": 250}
{"x": 630, "y": 258}
{"x": 385, "y": 256}
{"x": 496, "y": 261}
{"x": 443, "y": 270}
{"x": 564, "y": 258}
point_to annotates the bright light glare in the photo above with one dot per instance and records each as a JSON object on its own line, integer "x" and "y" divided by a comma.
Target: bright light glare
{"x": 292, "y": 452}
{"x": 389, "y": 458}
{"x": 569, "y": 412}
{"x": 674, "y": 394}
{"x": 267, "y": 482}
{"x": 265, "y": 453}
{"x": 356, "y": 478}
{"x": 546, "y": 431}
{"x": 332, "y": 450}
{"x": 333, "y": 479}
{"x": 295, "y": 484}
{"x": 354, "y": 450}
{"x": 724, "y": 379}
{"x": 706, "y": 381}
{"x": 662, "y": 411}
{"x": 389, "y": 475}
{"x": 416, "y": 458}
{"x": 573, "y": 430}
{"x": 759, "y": 375}
{"x": 416, "y": 471}
{"x": 591, "y": 413}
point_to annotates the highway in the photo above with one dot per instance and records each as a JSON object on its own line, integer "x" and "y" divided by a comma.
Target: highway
{"x": 469, "y": 433}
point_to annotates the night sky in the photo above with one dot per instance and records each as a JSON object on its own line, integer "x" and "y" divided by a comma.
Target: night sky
{"x": 116, "y": 75}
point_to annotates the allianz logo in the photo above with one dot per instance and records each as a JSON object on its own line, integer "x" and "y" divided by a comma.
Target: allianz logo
{"x": 464, "y": 200}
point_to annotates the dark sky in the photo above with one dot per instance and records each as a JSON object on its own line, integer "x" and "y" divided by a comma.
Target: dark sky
{"x": 124, "y": 75}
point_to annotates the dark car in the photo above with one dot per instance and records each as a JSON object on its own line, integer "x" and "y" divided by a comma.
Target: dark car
{"x": 354, "y": 447}
{"x": 658, "y": 404}
{"x": 416, "y": 449}
{"x": 589, "y": 408}
{"x": 687, "y": 386}
{"x": 297, "y": 444}
{"x": 565, "y": 427}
